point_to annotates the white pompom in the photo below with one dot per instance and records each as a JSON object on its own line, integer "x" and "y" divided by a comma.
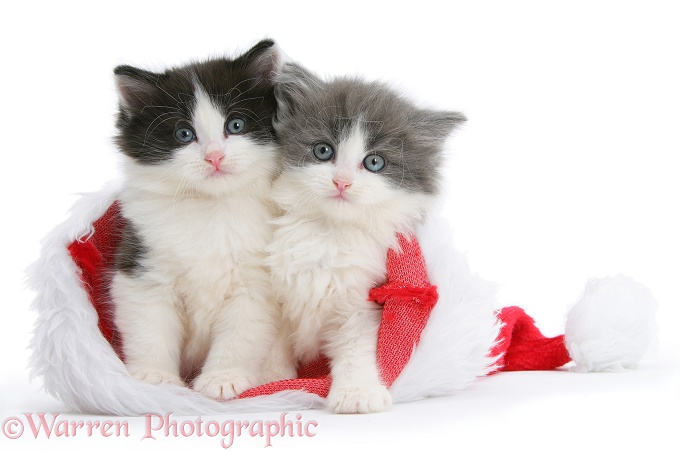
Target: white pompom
{"x": 612, "y": 326}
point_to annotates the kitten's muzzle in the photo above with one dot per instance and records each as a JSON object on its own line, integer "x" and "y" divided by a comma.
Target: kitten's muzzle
{"x": 215, "y": 158}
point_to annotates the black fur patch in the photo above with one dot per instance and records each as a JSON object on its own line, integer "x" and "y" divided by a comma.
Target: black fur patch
{"x": 153, "y": 105}
{"x": 130, "y": 252}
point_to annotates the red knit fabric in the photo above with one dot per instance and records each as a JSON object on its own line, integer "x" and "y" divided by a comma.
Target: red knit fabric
{"x": 407, "y": 299}
{"x": 318, "y": 386}
{"x": 317, "y": 368}
{"x": 95, "y": 257}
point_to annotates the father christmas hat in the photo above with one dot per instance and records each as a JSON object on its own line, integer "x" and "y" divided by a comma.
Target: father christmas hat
{"x": 432, "y": 340}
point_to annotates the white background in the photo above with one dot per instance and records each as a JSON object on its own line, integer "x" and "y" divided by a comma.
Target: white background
{"x": 567, "y": 169}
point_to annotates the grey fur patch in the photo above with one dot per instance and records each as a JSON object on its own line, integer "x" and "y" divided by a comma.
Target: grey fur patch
{"x": 130, "y": 252}
{"x": 311, "y": 111}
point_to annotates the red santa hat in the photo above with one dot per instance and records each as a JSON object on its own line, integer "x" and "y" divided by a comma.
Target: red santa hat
{"x": 77, "y": 351}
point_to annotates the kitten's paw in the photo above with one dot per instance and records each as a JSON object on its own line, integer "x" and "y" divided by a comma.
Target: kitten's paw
{"x": 359, "y": 398}
{"x": 223, "y": 385}
{"x": 157, "y": 377}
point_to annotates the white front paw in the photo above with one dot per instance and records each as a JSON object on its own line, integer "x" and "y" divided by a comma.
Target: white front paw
{"x": 359, "y": 398}
{"x": 152, "y": 376}
{"x": 223, "y": 385}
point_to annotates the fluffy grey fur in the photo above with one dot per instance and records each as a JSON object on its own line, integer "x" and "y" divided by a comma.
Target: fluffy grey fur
{"x": 313, "y": 111}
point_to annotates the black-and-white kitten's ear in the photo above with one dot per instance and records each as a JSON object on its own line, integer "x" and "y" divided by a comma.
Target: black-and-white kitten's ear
{"x": 132, "y": 85}
{"x": 437, "y": 125}
{"x": 264, "y": 58}
{"x": 293, "y": 86}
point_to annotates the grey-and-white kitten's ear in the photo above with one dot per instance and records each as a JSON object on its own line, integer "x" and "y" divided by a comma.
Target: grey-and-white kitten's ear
{"x": 437, "y": 124}
{"x": 264, "y": 58}
{"x": 132, "y": 85}
{"x": 293, "y": 85}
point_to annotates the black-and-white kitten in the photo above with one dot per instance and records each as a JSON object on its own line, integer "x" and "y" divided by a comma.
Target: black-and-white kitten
{"x": 360, "y": 164}
{"x": 192, "y": 294}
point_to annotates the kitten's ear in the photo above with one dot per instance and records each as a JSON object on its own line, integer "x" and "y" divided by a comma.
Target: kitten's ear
{"x": 264, "y": 59}
{"x": 437, "y": 124}
{"x": 293, "y": 85}
{"x": 132, "y": 85}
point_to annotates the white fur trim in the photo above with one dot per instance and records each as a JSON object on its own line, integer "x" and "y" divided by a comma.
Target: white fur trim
{"x": 454, "y": 347}
{"x": 612, "y": 326}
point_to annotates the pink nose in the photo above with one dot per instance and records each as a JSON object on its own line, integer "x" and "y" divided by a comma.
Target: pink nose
{"x": 342, "y": 185}
{"x": 214, "y": 158}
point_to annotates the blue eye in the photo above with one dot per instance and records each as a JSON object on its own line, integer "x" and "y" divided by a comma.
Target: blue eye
{"x": 323, "y": 152}
{"x": 374, "y": 163}
{"x": 236, "y": 126}
{"x": 184, "y": 135}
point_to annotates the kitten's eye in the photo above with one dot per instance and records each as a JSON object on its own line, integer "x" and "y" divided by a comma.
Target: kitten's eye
{"x": 184, "y": 135}
{"x": 374, "y": 163}
{"x": 323, "y": 151}
{"x": 236, "y": 126}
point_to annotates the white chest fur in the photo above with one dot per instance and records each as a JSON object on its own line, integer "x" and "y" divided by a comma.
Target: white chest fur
{"x": 197, "y": 241}
{"x": 323, "y": 275}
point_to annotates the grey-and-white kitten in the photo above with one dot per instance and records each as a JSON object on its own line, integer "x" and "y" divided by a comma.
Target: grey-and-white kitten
{"x": 360, "y": 165}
